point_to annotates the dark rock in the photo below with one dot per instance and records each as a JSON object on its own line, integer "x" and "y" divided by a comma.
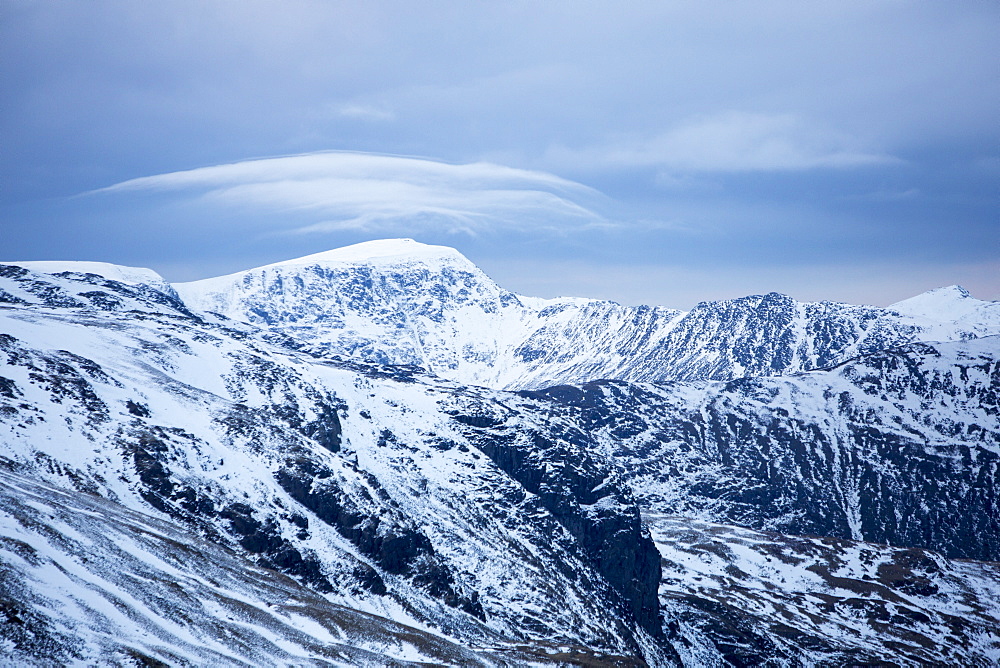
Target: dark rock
{"x": 566, "y": 479}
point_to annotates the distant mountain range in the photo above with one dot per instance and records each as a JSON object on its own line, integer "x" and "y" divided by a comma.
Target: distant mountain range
{"x": 402, "y": 302}
{"x": 377, "y": 456}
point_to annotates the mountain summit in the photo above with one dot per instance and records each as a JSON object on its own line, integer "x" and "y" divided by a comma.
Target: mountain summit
{"x": 381, "y": 251}
{"x": 397, "y": 301}
{"x": 951, "y": 304}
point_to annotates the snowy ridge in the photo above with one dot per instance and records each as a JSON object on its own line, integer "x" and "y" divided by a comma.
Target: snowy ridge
{"x": 402, "y": 302}
{"x": 135, "y": 276}
{"x": 115, "y": 272}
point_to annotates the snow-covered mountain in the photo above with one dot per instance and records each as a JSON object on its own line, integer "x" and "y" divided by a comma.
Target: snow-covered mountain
{"x": 356, "y": 481}
{"x": 242, "y": 495}
{"x": 402, "y": 302}
{"x": 900, "y": 446}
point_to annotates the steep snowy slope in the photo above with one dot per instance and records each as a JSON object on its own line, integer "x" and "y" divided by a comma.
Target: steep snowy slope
{"x": 356, "y": 481}
{"x": 900, "y": 446}
{"x": 84, "y": 580}
{"x": 402, "y": 302}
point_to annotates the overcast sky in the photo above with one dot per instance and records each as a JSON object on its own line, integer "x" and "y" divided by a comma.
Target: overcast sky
{"x": 649, "y": 152}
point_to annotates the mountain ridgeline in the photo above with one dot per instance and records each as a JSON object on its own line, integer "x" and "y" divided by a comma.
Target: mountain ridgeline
{"x": 377, "y": 456}
{"x": 401, "y": 302}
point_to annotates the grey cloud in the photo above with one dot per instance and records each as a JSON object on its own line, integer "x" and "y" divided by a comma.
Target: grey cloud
{"x": 730, "y": 142}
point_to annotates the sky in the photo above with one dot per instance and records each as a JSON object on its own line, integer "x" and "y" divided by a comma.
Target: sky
{"x": 664, "y": 152}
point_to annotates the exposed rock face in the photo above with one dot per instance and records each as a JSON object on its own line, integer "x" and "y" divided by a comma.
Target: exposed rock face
{"x": 584, "y": 494}
{"x": 900, "y": 446}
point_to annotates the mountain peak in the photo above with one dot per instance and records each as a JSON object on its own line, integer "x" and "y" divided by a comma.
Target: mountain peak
{"x": 947, "y": 303}
{"x": 388, "y": 251}
{"x": 953, "y": 291}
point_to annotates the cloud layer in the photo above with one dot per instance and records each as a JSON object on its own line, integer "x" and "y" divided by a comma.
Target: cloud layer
{"x": 329, "y": 191}
{"x": 724, "y": 137}
{"x": 732, "y": 142}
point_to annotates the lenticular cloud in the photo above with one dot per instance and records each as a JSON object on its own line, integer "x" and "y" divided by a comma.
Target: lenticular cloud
{"x": 342, "y": 190}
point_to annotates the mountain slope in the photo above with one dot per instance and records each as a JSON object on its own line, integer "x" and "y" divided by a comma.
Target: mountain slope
{"x": 355, "y": 480}
{"x": 86, "y": 580}
{"x": 900, "y": 446}
{"x": 401, "y": 302}
{"x": 741, "y": 597}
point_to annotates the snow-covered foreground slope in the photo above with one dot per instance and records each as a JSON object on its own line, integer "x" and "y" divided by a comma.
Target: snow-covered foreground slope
{"x": 402, "y": 302}
{"x": 900, "y": 446}
{"x": 767, "y": 599}
{"x": 83, "y": 580}
{"x": 357, "y": 481}
{"x": 86, "y": 581}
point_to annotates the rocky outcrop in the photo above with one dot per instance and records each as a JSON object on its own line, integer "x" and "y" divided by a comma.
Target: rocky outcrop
{"x": 899, "y": 446}
{"x": 587, "y": 497}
